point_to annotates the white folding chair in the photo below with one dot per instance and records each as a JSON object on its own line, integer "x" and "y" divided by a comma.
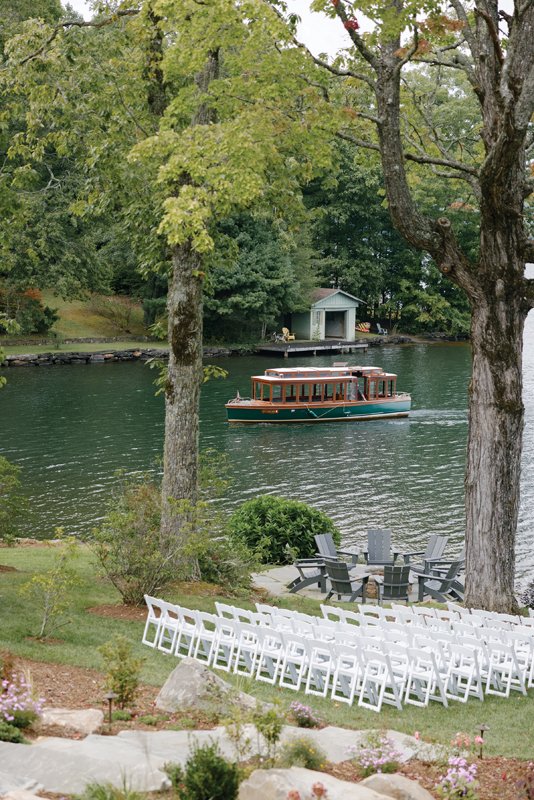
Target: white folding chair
{"x": 154, "y": 618}
{"x": 295, "y": 661}
{"x": 348, "y": 671}
{"x": 320, "y": 667}
{"x": 463, "y": 675}
{"x": 225, "y": 610}
{"x": 424, "y": 681}
{"x": 504, "y": 671}
{"x": 270, "y": 654}
{"x": 380, "y": 684}
{"x": 170, "y": 625}
{"x": 184, "y": 641}
{"x": 247, "y": 648}
{"x": 225, "y": 643}
{"x": 205, "y": 636}
{"x": 332, "y": 614}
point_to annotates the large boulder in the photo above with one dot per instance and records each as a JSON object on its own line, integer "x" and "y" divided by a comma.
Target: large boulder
{"x": 192, "y": 685}
{"x": 84, "y": 721}
{"x": 397, "y": 787}
{"x": 275, "y": 784}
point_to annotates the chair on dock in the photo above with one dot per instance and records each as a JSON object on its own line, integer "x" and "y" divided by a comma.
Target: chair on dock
{"x": 310, "y": 571}
{"x": 432, "y": 555}
{"x": 288, "y": 337}
{"x": 395, "y": 585}
{"x": 378, "y": 550}
{"x": 380, "y": 330}
{"x": 326, "y": 548}
{"x": 343, "y": 584}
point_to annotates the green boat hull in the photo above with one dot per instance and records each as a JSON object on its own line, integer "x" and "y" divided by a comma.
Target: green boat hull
{"x": 341, "y": 412}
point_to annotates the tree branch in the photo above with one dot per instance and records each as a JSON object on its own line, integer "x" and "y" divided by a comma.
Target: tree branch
{"x": 494, "y": 34}
{"x": 75, "y": 23}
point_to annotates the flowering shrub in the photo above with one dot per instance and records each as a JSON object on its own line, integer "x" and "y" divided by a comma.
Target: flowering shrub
{"x": 303, "y": 715}
{"x": 460, "y": 782}
{"x": 18, "y": 705}
{"x": 302, "y": 751}
{"x": 376, "y": 754}
{"x": 317, "y": 790}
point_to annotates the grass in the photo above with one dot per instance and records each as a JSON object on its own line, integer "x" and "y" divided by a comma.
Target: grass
{"x": 509, "y": 721}
{"x": 81, "y": 347}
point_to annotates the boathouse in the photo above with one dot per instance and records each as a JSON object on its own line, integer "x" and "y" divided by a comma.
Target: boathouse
{"x": 332, "y": 316}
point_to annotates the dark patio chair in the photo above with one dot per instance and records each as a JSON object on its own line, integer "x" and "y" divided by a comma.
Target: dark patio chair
{"x": 433, "y": 554}
{"x": 311, "y": 571}
{"x": 442, "y": 587}
{"x": 378, "y": 547}
{"x": 395, "y": 585}
{"x": 343, "y": 584}
{"x": 326, "y": 548}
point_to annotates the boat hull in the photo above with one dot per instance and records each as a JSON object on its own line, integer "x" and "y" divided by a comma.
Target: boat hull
{"x": 248, "y": 412}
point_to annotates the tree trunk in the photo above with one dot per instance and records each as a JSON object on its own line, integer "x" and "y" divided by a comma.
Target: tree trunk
{"x": 182, "y": 391}
{"x": 494, "y": 453}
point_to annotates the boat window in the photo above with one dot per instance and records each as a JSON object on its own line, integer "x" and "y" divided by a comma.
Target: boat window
{"x": 304, "y": 393}
{"x": 257, "y": 391}
{"x": 372, "y": 387}
{"x": 339, "y": 391}
{"x": 317, "y": 392}
{"x": 381, "y": 388}
{"x": 276, "y": 392}
{"x": 290, "y": 393}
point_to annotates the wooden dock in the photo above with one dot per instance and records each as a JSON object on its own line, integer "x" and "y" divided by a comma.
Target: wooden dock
{"x": 287, "y": 349}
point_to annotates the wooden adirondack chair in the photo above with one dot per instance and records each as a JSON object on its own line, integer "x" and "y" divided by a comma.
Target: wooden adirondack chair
{"x": 432, "y": 555}
{"x": 326, "y": 548}
{"x": 443, "y": 587}
{"x": 310, "y": 571}
{"x": 288, "y": 337}
{"x": 378, "y": 547}
{"x": 343, "y": 585}
{"x": 395, "y": 585}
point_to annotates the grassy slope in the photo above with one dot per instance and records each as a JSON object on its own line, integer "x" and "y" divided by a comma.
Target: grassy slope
{"x": 80, "y": 319}
{"x": 510, "y": 730}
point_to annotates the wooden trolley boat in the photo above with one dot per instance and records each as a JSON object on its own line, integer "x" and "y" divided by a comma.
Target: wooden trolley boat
{"x": 320, "y": 394}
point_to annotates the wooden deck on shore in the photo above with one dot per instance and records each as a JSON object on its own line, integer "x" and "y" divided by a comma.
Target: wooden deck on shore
{"x": 287, "y": 349}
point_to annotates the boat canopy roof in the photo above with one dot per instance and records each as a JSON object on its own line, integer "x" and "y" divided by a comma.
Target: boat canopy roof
{"x": 289, "y": 374}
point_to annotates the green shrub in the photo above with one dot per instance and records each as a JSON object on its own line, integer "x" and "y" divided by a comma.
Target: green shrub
{"x": 302, "y": 752}
{"x": 148, "y": 719}
{"x": 119, "y": 715}
{"x": 10, "y": 733}
{"x": 12, "y": 504}
{"x": 122, "y": 669}
{"x": 207, "y": 775}
{"x": 106, "y": 791}
{"x": 279, "y": 530}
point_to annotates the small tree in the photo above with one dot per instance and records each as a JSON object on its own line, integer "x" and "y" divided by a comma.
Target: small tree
{"x": 122, "y": 669}
{"x": 12, "y": 504}
{"x": 51, "y": 590}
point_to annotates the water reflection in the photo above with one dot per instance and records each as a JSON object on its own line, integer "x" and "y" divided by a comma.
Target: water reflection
{"x": 71, "y": 429}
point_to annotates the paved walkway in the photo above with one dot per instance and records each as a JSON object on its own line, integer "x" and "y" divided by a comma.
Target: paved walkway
{"x": 136, "y": 758}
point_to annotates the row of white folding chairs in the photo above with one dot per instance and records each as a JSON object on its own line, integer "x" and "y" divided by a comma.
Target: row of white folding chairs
{"x": 369, "y": 669}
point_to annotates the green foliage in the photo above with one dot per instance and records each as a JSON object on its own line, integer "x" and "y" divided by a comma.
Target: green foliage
{"x": 148, "y": 719}
{"x": 106, "y": 791}
{"x": 302, "y": 752}
{"x": 122, "y": 669}
{"x": 207, "y": 775}
{"x": 11, "y": 733}
{"x": 269, "y": 724}
{"x": 132, "y": 553}
{"x": 278, "y": 530}
{"x": 120, "y": 715}
{"x": 26, "y": 310}
{"x": 12, "y": 504}
{"x": 51, "y": 591}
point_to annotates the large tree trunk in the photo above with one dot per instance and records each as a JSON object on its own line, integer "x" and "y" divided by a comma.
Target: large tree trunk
{"x": 182, "y": 391}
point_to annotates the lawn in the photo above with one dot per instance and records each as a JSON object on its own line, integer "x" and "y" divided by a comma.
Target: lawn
{"x": 509, "y": 721}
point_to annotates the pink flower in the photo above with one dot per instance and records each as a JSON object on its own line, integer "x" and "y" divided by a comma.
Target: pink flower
{"x": 417, "y": 735}
{"x": 479, "y": 740}
{"x": 319, "y": 790}
{"x": 294, "y": 794}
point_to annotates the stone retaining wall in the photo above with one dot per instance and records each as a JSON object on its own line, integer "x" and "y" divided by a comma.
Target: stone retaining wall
{"x": 102, "y": 356}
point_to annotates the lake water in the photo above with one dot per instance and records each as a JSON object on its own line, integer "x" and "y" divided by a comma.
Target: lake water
{"x": 71, "y": 428}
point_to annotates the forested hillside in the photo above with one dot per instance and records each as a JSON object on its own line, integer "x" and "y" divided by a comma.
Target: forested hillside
{"x": 79, "y": 215}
